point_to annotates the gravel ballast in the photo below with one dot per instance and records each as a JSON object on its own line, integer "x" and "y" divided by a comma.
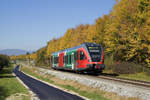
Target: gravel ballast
{"x": 121, "y": 89}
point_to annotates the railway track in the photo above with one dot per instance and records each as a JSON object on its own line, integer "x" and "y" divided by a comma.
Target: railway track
{"x": 122, "y": 80}
{"x": 114, "y": 78}
{"x": 128, "y": 81}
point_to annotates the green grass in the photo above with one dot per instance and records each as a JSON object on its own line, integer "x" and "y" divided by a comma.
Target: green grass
{"x": 139, "y": 76}
{"x": 90, "y": 95}
{"x": 47, "y": 79}
{"x": 10, "y": 85}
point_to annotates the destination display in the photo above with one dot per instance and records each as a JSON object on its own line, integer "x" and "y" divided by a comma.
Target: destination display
{"x": 93, "y": 49}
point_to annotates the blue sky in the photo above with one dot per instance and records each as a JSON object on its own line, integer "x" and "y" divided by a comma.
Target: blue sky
{"x": 30, "y": 24}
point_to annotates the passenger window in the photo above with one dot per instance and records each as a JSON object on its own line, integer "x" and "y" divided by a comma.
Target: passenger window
{"x": 69, "y": 59}
{"x": 66, "y": 59}
{"x": 76, "y": 55}
{"x": 56, "y": 60}
{"x": 63, "y": 59}
{"x": 82, "y": 55}
{"x": 72, "y": 58}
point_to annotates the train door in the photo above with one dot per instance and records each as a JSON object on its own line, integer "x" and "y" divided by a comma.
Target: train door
{"x": 76, "y": 58}
{"x": 82, "y": 59}
{"x": 68, "y": 60}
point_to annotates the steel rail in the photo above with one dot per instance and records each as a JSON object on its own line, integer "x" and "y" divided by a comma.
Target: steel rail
{"x": 124, "y": 80}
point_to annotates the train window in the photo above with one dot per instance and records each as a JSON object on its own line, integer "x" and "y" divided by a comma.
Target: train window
{"x": 56, "y": 60}
{"x": 66, "y": 59}
{"x": 52, "y": 59}
{"x": 76, "y": 55}
{"x": 95, "y": 53}
{"x": 72, "y": 58}
{"x": 82, "y": 55}
{"x": 63, "y": 59}
{"x": 69, "y": 59}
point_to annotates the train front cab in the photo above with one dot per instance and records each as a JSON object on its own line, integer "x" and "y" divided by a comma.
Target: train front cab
{"x": 85, "y": 63}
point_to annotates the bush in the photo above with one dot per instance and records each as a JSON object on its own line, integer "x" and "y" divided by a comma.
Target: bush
{"x": 109, "y": 61}
{"x": 126, "y": 68}
{"x": 147, "y": 70}
{"x": 4, "y": 61}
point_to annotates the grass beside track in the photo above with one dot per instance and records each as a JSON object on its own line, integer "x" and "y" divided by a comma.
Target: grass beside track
{"x": 138, "y": 76}
{"x": 9, "y": 85}
{"x": 91, "y": 93}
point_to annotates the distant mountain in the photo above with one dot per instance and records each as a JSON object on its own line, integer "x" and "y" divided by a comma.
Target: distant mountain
{"x": 16, "y": 52}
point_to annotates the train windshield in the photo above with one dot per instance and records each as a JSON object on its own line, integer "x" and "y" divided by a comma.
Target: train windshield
{"x": 95, "y": 53}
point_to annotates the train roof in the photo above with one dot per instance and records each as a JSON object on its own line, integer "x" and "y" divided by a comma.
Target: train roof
{"x": 84, "y": 45}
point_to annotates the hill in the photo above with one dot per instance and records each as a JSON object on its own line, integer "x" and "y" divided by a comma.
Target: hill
{"x": 16, "y": 52}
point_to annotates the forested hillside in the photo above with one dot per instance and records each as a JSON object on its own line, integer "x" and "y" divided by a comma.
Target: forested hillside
{"x": 124, "y": 33}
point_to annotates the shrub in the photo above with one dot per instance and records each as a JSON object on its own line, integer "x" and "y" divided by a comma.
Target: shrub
{"x": 126, "y": 68}
{"x": 4, "y": 61}
{"x": 147, "y": 70}
{"x": 109, "y": 62}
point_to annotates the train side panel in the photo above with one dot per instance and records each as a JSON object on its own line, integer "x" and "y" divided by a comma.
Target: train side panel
{"x": 83, "y": 58}
{"x": 61, "y": 60}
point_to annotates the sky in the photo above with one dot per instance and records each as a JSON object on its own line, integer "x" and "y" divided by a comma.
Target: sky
{"x": 30, "y": 24}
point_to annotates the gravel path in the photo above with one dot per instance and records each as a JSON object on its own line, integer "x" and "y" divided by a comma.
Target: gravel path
{"x": 106, "y": 85}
